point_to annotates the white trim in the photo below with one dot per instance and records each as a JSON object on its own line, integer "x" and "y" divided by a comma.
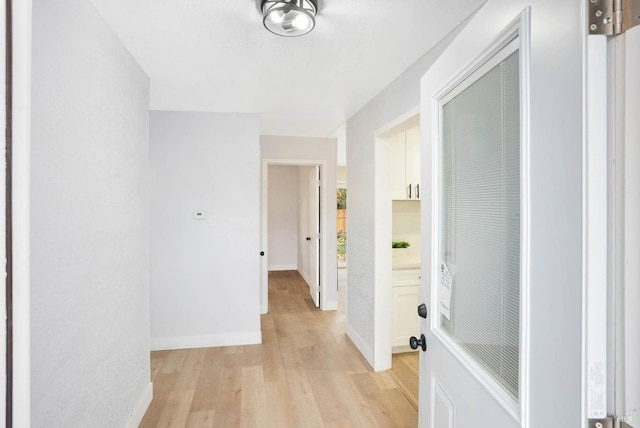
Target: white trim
{"x": 326, "y": 303}
{"x": 305, "y": 277}
{"x": 3, "y": 196}
{"x": 383, "y": 314}
{"x": 206, "y": 341}
{"x": 437, "y": 388}
{"x": 22, "y": 19}
{"x": 399, "y": 124}
{"x": 525, "y": 198}
{"x": 360, "y": 343}
{"x": 518, "y": 29}
{"x": 594, "y": 229}
{"x": 138, "y": 413}
{"x": 283, "y": 267}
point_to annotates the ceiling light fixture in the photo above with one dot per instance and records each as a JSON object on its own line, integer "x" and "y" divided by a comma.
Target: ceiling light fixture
{"x": 289, "y": 18}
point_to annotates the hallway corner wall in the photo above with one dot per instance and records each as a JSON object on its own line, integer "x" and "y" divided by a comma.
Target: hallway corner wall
{"x": 89, "y": 231}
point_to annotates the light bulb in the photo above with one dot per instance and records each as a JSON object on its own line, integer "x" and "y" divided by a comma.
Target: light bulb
{"x": 302, "y": 22}
{"x": 276, "y": 16}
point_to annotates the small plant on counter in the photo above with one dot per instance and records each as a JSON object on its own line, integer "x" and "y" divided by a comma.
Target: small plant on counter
{"x": 399, "y": 244}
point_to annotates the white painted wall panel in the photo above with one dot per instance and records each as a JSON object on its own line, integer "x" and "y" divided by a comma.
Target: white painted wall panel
{"x": 400, "y": 97}
{"x": 205, "y": 278}
{"x": 89, "y": 221}
{"x": 283, "y": 217}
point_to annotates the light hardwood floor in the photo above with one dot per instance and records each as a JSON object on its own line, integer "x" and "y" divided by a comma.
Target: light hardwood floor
{"x": 306, "y": 373}
{"x": 404, "y": 370}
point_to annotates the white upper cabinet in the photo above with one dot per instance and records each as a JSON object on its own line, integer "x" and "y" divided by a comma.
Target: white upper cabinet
{"x": 405, "y": 165}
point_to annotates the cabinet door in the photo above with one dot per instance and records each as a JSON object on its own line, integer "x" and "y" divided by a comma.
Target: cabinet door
{"x": 412, "y": 163}
{"x": 405, "y": 318}
{"x": 398, "y": 156}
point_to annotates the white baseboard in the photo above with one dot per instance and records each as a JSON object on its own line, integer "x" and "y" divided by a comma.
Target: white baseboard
{"x": 141, "y": 408}
{"x": 402, "y": 349}
{"x": 366, "y": 352}
{"x": 206, "y": 341}
{"x": 304, "y": 276}
{"x": 283, "y": 267}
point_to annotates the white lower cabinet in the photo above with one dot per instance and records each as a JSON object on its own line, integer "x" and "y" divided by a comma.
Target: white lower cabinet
{"x": 405, "y": 301}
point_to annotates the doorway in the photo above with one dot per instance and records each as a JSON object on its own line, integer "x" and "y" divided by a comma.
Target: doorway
{"x": 398, "y": 214}
{"x": 293, "y": 216}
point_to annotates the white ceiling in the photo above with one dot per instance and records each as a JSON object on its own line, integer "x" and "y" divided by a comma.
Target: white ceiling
{"x": 215, "y": 55}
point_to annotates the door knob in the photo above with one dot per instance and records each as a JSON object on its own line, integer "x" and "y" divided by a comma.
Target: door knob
{"x": 422, "y": 310}
{"x": 415, "y": 342}
{"x": 262, "y": 253}
{"x": 308, "y": 238}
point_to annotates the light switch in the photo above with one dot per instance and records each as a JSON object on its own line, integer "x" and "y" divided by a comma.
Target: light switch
{"x": 212, "y": 221}
{"x": 199, "y": 215}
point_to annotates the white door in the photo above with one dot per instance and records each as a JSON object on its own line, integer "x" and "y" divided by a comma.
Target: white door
{"x": 502, "y": 221}
{"x": 314, "y": 234}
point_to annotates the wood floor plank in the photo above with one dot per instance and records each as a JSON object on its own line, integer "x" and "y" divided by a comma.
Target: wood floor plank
{"x": 404, "y": 371}
{"x": 191, "y": 368}
{"x": 201, "y": 419}
{"x": 253, "y": 403}
{"x": 304, "y": 405}
{"x": 176, "y": 411}
{"x": 174, "y": 361}
{"x": 306, "y": 373}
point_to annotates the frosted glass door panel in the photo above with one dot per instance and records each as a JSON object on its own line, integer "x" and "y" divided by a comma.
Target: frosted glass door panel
{"x": 480, "y": 221}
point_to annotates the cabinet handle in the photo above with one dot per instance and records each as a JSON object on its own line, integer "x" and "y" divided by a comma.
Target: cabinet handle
{"x": 417, "y": 191}
{"x": 409, "y": 191}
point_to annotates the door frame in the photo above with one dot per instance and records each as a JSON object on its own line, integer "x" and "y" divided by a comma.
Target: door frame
{"x": 264, "y": 226}
{"x": 21, "y": 132}
{"x": 383, "y": 314}
{"x": 604, "y": 218}
{"x": 596, "y": 248}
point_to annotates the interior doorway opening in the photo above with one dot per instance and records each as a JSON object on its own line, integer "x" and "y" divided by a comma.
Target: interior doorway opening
{"x": 397, "y": 287}
{"x": 294, "y": 197}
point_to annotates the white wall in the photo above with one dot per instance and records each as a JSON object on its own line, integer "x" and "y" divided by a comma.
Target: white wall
{"x": 287, "y": 150}
{"x": 283, "y": 217}
{"x": 368, "y": 264}
{"x": 303, "y": 221}
{"x": 205, "y": 277}
{"x": 341, "y": 135}
{"x": 405, "y": 224}
{"x": 89, "y": 222}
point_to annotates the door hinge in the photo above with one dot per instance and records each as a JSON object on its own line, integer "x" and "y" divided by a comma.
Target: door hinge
{"x": 612, "y": 17}
{"x": 611, "y": 422}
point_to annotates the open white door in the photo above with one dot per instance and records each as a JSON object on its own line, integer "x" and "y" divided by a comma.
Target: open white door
{"x": 314, "y": 234}
{"x": 502, "y": 221}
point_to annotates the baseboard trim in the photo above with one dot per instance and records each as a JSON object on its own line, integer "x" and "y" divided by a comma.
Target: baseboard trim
{"x": 283, "y": 267}
{"x": 360, "y": 344}
{"x": 305, "y": 277}
{"x": 138, "y": 413}
{"x": 206, "y": 341}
